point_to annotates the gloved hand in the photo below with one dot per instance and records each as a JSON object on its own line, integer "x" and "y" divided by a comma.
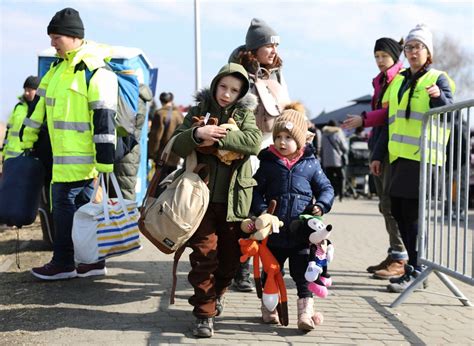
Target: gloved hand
{"x": 312, "y": 271}
{"x": 104, "y": 167}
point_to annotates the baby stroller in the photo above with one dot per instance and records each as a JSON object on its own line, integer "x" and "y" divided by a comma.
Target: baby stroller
{"x": 357, "y": 170}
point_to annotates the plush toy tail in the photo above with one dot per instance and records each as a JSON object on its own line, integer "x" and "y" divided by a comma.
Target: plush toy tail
{"x": 282, "y": 307}
{"x": 270, "y": 295}
{"x": 256, "y": 275}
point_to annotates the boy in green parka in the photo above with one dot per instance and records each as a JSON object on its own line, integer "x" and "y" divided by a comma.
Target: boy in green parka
{"x": 216, "y": 251}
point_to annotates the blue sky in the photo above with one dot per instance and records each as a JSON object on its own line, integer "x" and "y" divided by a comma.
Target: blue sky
{"x": 326, "y": 46}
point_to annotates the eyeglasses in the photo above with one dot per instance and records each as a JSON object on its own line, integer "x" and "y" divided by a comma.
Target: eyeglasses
{"x": 416, "y": 47}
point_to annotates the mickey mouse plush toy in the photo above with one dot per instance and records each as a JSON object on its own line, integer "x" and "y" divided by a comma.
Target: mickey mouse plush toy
{"x": 311, "y": 228}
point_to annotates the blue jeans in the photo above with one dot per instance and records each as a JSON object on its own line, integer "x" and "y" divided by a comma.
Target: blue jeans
{"x": 67, "y": 198}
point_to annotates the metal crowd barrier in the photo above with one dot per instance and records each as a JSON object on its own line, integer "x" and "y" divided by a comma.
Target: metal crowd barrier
{"x": 445, "y": 233}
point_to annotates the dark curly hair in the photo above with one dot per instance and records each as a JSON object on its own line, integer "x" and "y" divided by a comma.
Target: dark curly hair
{"x": 248, "y": 59}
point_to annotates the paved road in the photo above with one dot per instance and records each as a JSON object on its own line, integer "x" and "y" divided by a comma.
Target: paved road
{"x": 130, "y": 305}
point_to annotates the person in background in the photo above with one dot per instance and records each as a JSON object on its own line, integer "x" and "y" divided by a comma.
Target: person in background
{"x": 151, "y": 112}
{"x": 80, "y": 121}
{"x": 260, "y": 58}
{"x": 25, "y": 107}
{"x": 165, "y": 121}
{"x": 291, "y": 175}
{"x": 316, "y": 140}
{"x": 334, "y": 148}
{"x": 387, "y": 57}
{"x": 412, "y": 93}
{"x": 215, "y": 249}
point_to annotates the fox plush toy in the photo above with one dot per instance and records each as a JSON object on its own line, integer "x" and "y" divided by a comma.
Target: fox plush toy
{"x": 274, "y": 293}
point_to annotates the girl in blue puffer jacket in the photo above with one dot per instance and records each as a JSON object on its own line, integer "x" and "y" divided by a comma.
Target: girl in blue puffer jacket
{"x": 290, "y": 174}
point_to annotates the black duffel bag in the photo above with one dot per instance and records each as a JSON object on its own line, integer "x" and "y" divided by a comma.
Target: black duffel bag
{"x": 20, "y": 189}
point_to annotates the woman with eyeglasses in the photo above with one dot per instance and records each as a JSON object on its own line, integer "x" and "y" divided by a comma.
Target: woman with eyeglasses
{"x": 412, "y": 93}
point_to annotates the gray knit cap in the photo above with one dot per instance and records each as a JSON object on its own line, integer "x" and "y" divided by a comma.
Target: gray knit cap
{"x": 423, "y": 34}
{"x": 260, "y": 34}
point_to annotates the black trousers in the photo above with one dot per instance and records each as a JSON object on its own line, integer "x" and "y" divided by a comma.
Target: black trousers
{"x": 405, "y": 212}
{"x": 298, "y": 262}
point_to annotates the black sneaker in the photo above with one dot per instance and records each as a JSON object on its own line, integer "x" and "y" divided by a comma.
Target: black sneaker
{"x": 204, "y": 327}
{"x": 408, "y": 272}
{"x": 51, "y": 271}
{"x": 92, "y": 269}
{"x": 398, "y": 285}
{"x": 220, "y": 303}
{"x": 243, "y": 285}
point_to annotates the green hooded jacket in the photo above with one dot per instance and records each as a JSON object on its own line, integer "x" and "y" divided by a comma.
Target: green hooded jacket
{"x": 231, "y": 184}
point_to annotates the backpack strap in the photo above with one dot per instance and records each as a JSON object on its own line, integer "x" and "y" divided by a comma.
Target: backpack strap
{"x": 168, "y": 118}
{"x": 83, "y": 67}
{"x": 177, "y": 256}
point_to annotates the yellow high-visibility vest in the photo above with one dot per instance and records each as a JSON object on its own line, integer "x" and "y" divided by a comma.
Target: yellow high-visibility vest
{"x": 405, "y": 134}
{"x": 68, "y": 104}
{"x": 11, "y": 144}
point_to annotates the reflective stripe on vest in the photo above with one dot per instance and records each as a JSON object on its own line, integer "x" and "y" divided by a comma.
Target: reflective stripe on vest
{"x": 401, "y": 114}
{"x": 416, "y": 141}
{"x": 102, "y": 105}
{"x": 50, "y": 101}
{"x": 31, "y": 123}
{"x": 13, "y": 133}
{"x": 11, "y": 153}
{"x": 67, "y": 160}
{"x": 41, "y": 92}
{"x": 104, "y": 138}
{"x": 72, "y": 125}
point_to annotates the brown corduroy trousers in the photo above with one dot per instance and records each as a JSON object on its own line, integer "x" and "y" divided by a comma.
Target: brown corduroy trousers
{"x": 214, "y": 259}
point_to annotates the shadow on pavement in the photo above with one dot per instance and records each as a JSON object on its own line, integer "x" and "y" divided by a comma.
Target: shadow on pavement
{"x": 99, "y": 303}
{"x": 8, "y": 247}
{"x": 390, "y": 316}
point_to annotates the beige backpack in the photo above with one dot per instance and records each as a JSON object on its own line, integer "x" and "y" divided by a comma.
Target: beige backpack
{"x": 174, "y": 207}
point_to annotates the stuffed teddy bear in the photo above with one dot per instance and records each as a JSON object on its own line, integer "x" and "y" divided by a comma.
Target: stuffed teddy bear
{"x": 199, "y": 121}
{"x": 227, "y": 156}
{"x": 311, "y": 228}
{"x": 274, "y": 295}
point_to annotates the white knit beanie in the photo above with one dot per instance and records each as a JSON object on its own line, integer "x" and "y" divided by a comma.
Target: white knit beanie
{"x": 423, "y": 34}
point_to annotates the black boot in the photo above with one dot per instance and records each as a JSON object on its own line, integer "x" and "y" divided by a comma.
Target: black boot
{"x": 242, "y": 280}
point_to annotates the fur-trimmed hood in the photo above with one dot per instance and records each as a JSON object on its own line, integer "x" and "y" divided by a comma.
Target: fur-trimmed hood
{"x": 206, "y": 96}
{"x": 330, "y": 129}
{"x": 249, "y": 101}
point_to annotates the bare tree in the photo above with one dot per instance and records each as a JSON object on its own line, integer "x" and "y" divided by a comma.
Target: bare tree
{"x": 451, "y": 56}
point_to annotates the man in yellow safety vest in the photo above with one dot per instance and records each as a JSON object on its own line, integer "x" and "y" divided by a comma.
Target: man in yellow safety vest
{"x": 80, "y": 120}
{"x": 25, "y": 106}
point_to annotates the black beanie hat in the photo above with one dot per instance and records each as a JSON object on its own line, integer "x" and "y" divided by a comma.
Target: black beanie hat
{"x": 67, "y": 22}
{"x": 31, "y": 82}
{"x": 390, "y": 46}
